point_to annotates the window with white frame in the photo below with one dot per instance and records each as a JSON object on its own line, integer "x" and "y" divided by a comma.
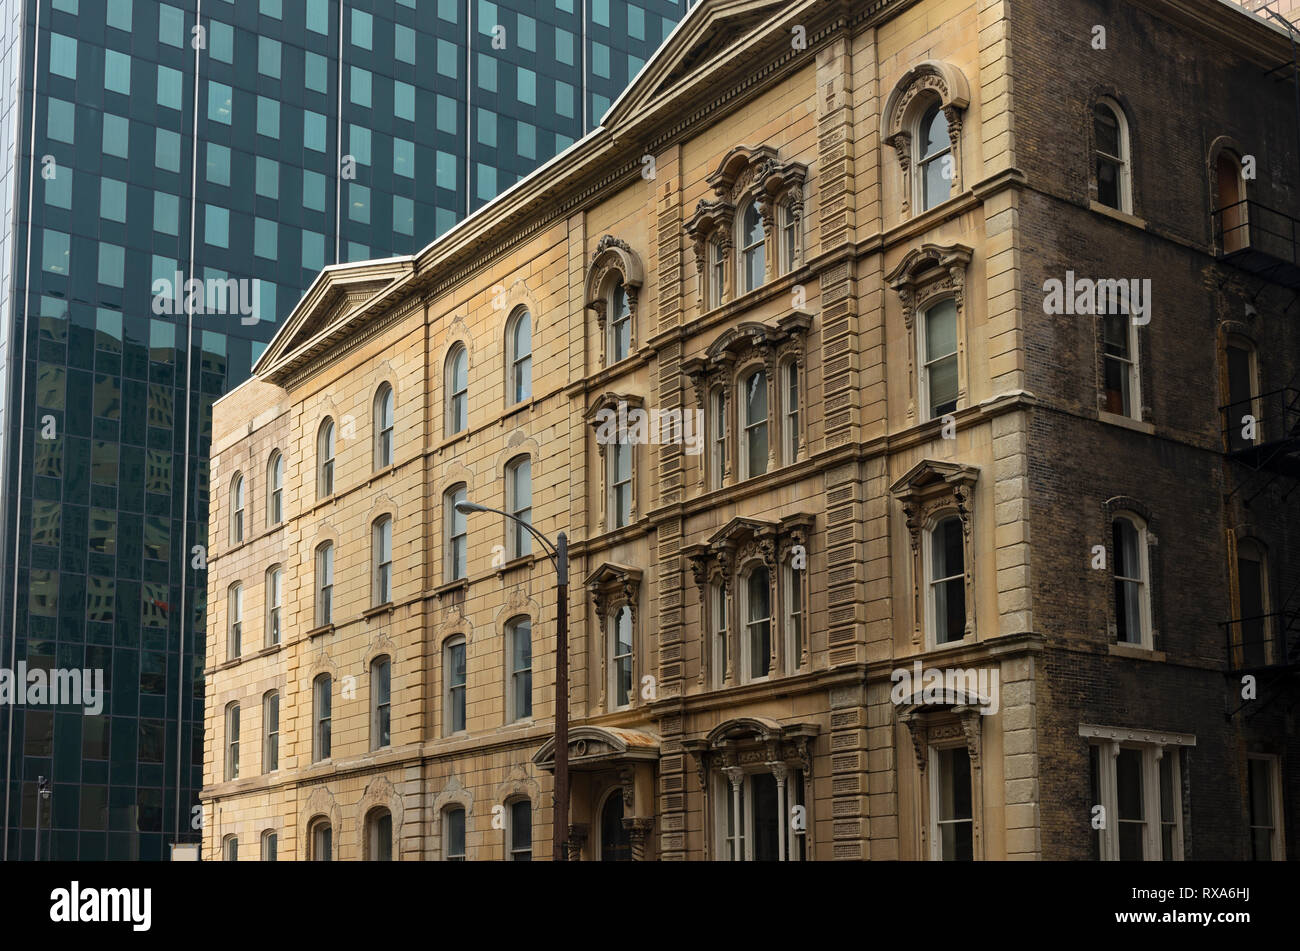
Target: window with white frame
{"x": 1121, "y": 382}
{"x": 379, "y": 835}
{"x": 381, "y": 554}
{"x": 754, "y": 425}
{"x": 792, "y": 602}
{"x": 756, "y": 644}
{"x": 519, "y": 357}
{"x": 383, "y": 426}
{"x": 946, "y": 581}
{"x": 230, "y": 849}
{"x": 619, "y": 659}
{"x": 750, "y": 815}
{"x": 933, "y": 158}
{"x": 325, "y": 459}
{"x": 619, "y": 459}
{"x": 952, "y": 822}
{"x": 519, "y": 642}
{"x": 752, "y": 246}
{"x": 789, "y": 236}
{"x": 454, "y": 679}
{"x": 1112, "y": 165}
{"x": 718, "y": 437}
{"x": 235, "y": 621}
{"x": 1139, "y": 785}
{"x": 381, "y": 702}
{"x": 790, "y": 412}
{"x": 718, "y": 597}
{"x": 457, "y": 389}
{"x": 237, "y": 509}
{"x": 519, "y": 831}
{"x": 275, "y": 489}
{"x": 1131, "y": 571}
{"x": 519, "y": 503}
{"x": 717, "y": 273}
{"x": 620, "y": 323}
{"x": 322, "y": 841}
{"x": 453, "y": 834}
{"x": 456, "y": 531}
{"x": 274, "y": 604}
{"x": 271, "y": 731}
{"x": 270, "y": 846}
{"x": 325, "y": 584}
{"x": 322, "y": 707}
{"x": 1264, "y": 793}
{"x": 232, "y": 741}
{"x": 939, "y": 384}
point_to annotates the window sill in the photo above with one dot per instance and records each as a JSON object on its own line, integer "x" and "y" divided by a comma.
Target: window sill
{"x": 514, "y": 563}
{"x": 1126, "y": 422}
{"x": 460, "y": 584}
{"x": 380, "y": 473}
{"x": 1136, "y": 652}
{"x": 454, "y": 438}
{"x": 387, "y": 606}
{"x": 1121, "y": 216}
{"x": 266, "y": 651}
{"x": 320, "y": 631}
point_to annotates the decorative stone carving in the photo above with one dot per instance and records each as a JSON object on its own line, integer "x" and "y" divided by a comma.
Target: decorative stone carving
{"x": 920, "y": 87}
{"x": 925, "y": 276}
{"x": 612, "y": 260}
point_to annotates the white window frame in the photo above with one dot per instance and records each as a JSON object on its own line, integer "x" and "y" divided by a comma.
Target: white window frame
{"x": 325, "y": 584}
{"x": 793, "y": 628}
{"x": 235, "y": 621}
{"x": 322, "y": 697}
{"x": 325, "y": 459}
{"x": 447, "y": 854}
{"x": 270, "y": 846}
{"x": 724, "y": 810}
{"x": 924, "y": 361}
{"x": 454, "y": 541}
{"x": 384, "y": 422}
{"x": 274, "y": 605}
{"x": 743, "y": 250}
{"x": 717, "y": 273}
{"x": 381, "y": 560}
{"x": 454, "y": 693}
{"x": 1152, "y": 822}
{"x": 381, "y": 671}
{"x": 1277, "y": 837}
{"x": 513, "y": 673}
{"x": 1124, "y": 159}
{"x": 1139, "y": 525}
{"x": 718, "y": 609}
{"x": 745, "y": 626}
{"x": 790, "y": 238}
{"x": 230, "y": 849}
{"x": 612, "y": 658}
{"x": 237, "y": 509}
{"x": 791, "y": 403}
{"x": 923, "y": 161}
{"x": 458, "y": 396}
{"x": 1132, "y": 367}
{"x": 931, "y": 582}
{"x": 512, "y": 852}
{"x": 718, "y": 432}
{"x": 612, "y": 454}
{"x": 270, "y": 731}
{"x": 232, "y": 742}
{"x": 275, "y": 489}
{"x": 616, "y": 319}
{"x": 519, "y": 477}
{"x": 936, "y": 791}
{"x": 519, "y": 375}
{"x": 742, "y": 409}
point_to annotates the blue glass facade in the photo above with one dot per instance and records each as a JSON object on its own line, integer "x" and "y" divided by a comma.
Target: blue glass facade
{"x": 244, "y": 145}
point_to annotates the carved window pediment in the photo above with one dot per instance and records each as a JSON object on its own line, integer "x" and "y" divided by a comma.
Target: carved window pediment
{"x": 925, "y": 85}
{"x": 612, "y": 262}
{"x": 612, "y": 584}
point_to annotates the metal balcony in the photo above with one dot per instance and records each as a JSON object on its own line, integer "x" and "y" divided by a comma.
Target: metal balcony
{"x": 1264, "y": 642}
{"x": 1276, "y": 442}
{"x": 1259, "y": 240}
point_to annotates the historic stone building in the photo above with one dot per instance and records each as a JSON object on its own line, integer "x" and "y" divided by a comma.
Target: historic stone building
{"x": 864, "y": 344}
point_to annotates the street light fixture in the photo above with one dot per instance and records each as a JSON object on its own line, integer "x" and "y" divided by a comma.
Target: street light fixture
{"x": 559, "y": 555}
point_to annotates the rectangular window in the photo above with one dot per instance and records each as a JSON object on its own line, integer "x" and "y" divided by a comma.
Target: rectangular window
{"x": 313, "y": 250}
{"x": 521, "y": 831}
{"x": 620, "y": 481}
{"x": 457, "y": 535}
{"x": 1139, "y": 785}
{"x": 265, "y": 238}
{"x": 118, "y": 15}
{"x": 316, "y": 72}
{"x": 939, "y": 359}
{"x": 381, "y": 682}
{"x": 487, "y": 128}
{"x": 359, "y": 90}
{"x": 487, "y": 72}
{"x": 318, "y": 16}
{"x": 448, "y": 53}
{"x": 951, "y": 806}
{"x": 166, "y": 213}
{"x": 359, "y": 203}
{"x": 55, "y": 252}
{"x": 268, "y": 57}
{"x": 63, "y": 55}
{"x": 112, "y": 261}
{"x": 169, "y": 87}
{"x": 314, "y": 127}
{"x": 216, "y": 226}
{"x": 322, "y": 703}
{"x": 219, "y": 102}
{"x": 403, "y": 215}
{"x": 750, "y": 814}
{"x": 313, "y": 190}
{"x": 454, "y": 671}
{"x": 447, "y": 115}
{"x": 221, "y": 41}
{"x": 362, "y": 29}
{"x": 564, "y": 99}
{"x": 1120, "y": 369}
{"x": 448, "y": 10}
{"x": 564, "y": 47}
{"x": 271, "y": 726}
{"x": 403, "y": 100}
{"x": 382, "y": 546}
{"x": 274, "y": 605}
{"x": 267, "y": 178}
{"x": 521, "y": 669}
{"x": 58, "y": 192}
{"x": 526, "y": 86}
{"x": 167, "y": 150}
{"x": 324, "y": 585}
{"x": 359, "y": 143}
{"x": 60, "y": 121}
{"x": 526, "y": 140}
{"x": 600, "y": 59}
{"x": 268, "y": 117}
{"x": 1266, "y": 840}
{"x": 526, "y": 32}
{"x": 404, "y": 158}
{"x": 218, "y": 170}
{"x": 453, "y": 825}
{"x": 117, "y": 72}
{"x": 404, "y": 43}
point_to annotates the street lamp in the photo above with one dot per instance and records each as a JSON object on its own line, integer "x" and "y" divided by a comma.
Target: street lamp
{"x": 559, "y": 555}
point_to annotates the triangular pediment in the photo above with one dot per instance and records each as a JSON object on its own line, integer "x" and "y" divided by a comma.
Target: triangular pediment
{"x": 342, "y": 296}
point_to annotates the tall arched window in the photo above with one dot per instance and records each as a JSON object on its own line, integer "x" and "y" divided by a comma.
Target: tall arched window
{"x": 325, "y": 459}
{"x": 274, "y": 604}
{"x": 237, "y": 509}
{"x": 619, "y": 459}
{"x": 379, "y": 835}
{"x": 792, "y": 602}
{"x": 790, "y": 412}
{"x": 454, "y": 679}
{"x": 718, "y": 608}
{"x": 939, "y": 384}
{"x": 757, "y": 641}
{"x": 381, "y": 702}
{"x": 754, "y": 425}
{"x": 1233, "y": 232}
{"x": 619, "y": 659}
{"x": 1112, "y": 165}
{"x": 456, "y": 387}
{"x": 270, "y": 846}
{"x": 519, "y": 503}
{"x": 453, "y": 834}
{"x": 456, "y": 533}
{"x": 270, "y": 731}
{"x": 275, "y": 489}
{"x": 519, "y": 356}
{"x": 1131, "y": 571}
{"x": 230, "y": 849}
{"x": 235, "y": 621}
{"x": 620, "y": 323}
{"x": 946, "y": 581}
{"x": 933, "y": 159}
{"x": 717, "y": 273}
{"x": 1254, "y": 629}
{"x": 615, "y": 843}
{"x": 232, "y": 741}
{"x": 325, "y": 584}
{"x": 381, "y": 556}
{"x": 789, "y": 236}
{"x": 519, "y": 644}
{"x": 753, "y": 260}
{"x": 322, "y": 714}
{"x": 321, "y": 839}
{"x": 718, "y": 439}
{"x": 383, "y": 426}
{"x": 519, "y": 831}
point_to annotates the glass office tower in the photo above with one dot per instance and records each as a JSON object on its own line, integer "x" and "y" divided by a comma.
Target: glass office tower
{"x": 244, "y": 145}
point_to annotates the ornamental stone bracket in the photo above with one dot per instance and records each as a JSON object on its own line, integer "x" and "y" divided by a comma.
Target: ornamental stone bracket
{"x": 612, "y": 260}
{"x": 736, "y": 345}
{"x": 921, "y": 85}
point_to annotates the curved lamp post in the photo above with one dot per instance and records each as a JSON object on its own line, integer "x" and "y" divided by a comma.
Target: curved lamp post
{"x": 559, "y": 555}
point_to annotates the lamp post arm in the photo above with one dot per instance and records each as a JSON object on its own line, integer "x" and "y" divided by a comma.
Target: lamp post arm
{"x": 551, "y": 553}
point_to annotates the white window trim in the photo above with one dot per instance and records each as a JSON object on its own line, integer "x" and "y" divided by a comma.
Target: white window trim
{"x": 378, "y": 564}
{"x": 936, "y": 841}
{"x": 1152, "y": 845}
{"x": 274, "y": 605}
{"x": 921, "y": 161}
{"x": 383, "y": 395}
{"x": 267, "y": 732}
{"x": 317, "y": 719}
{"x": 1144, "y": 590}
{"x": 721, "y": 632}
{"x": 761, "y": 245}
{"x": 325, "y": 557}
{"x": 325, "y": 459}
{"x": 928, "y": 582}
{"x": 923, "y": 360}
{"x": 791, "y": 585}
{"x": 743, "y": 625}
{"x": 233, "y": 727}
{"x": 374, "y": 667}
{"x": 1125, "y": 157}
{"x": 742, "y": 411}
{"x": 717, "y": 425}
{"x": 724, "y": 800}
{"x": 448, "y": 687}
{"x": 612, "y": 482}
{"x": 611, "y": 637}
{"x": 611, "y": 342}
{"x": 512, "y": 632}
{"x": 519, "y": 538}
{"x": 1133, "y": 371}
{"x": 275, "y": 490}
{"x": 1275, "y": 805}
{"x": 459, "y": 351}
{"x": 237, "y": 509}
{"x": 514, "y": 361}
{"x": 449, "y": 535}
{"x": 235, "y": 621}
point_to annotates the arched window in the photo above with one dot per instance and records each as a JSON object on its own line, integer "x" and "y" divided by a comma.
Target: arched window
{"x": 1254, "y": 632}
{"x": 453, "y": 834}
{"x": 274, "y": 604}
{"x": 789, "y": 236}
{"x": 519, "y": 357}
{"x": 615, "y": 843}
{"x": 717, "y": 273}
{"x": 519, "y": 644}
{"x": 1242, "y": 412}
{"x": 325, "y": 584}
{"x": 457, "y": 389}
{"x": 790, "y": 411}
{"x": 232, "y": 741}
{"x": 1131, "y": 571}
{"x": 454, "y": 681}
{"x": 1120, "y": 376}
{"x": 456, "y": 533}
{"x": 383, "y": 426}
{"x": 519, "y": 503}
{"x": 381, "y": 557}
{"x": 620, "y": 323}
{"x": 718, "y": 608}
{"x": 754, "y": 425}
{"x": 620, "y": 657}
{"x": 235, "y": 621}
{"x": 322, "y": 708}
{"x": 237, "y": 509}
{"x": 321, "y": 839}
{"x": 325, "y": 459}
{"x": 619, "y": 459}
{"x": 792, "y": 602}
{"x": 939, "y": 385}
{"x": 756, "y": 645}
{"x": 1231, "y": 210}
{"x": 519, "y": 831}
{"x": 230, "y": 849}
{"x": 270, "y": 846}
{"x": 1112, "y": 166}
{"x": 275, "y": 489}
{"x": 718, "y": 439}
{"x": 946, "y": 581}
{"x": 933, "y": 158}
{"x": 381, "y": 702}
{"x": 379, "y": 835}
{"x": 752, "y": 249}
{"x": 270, "y": 731}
